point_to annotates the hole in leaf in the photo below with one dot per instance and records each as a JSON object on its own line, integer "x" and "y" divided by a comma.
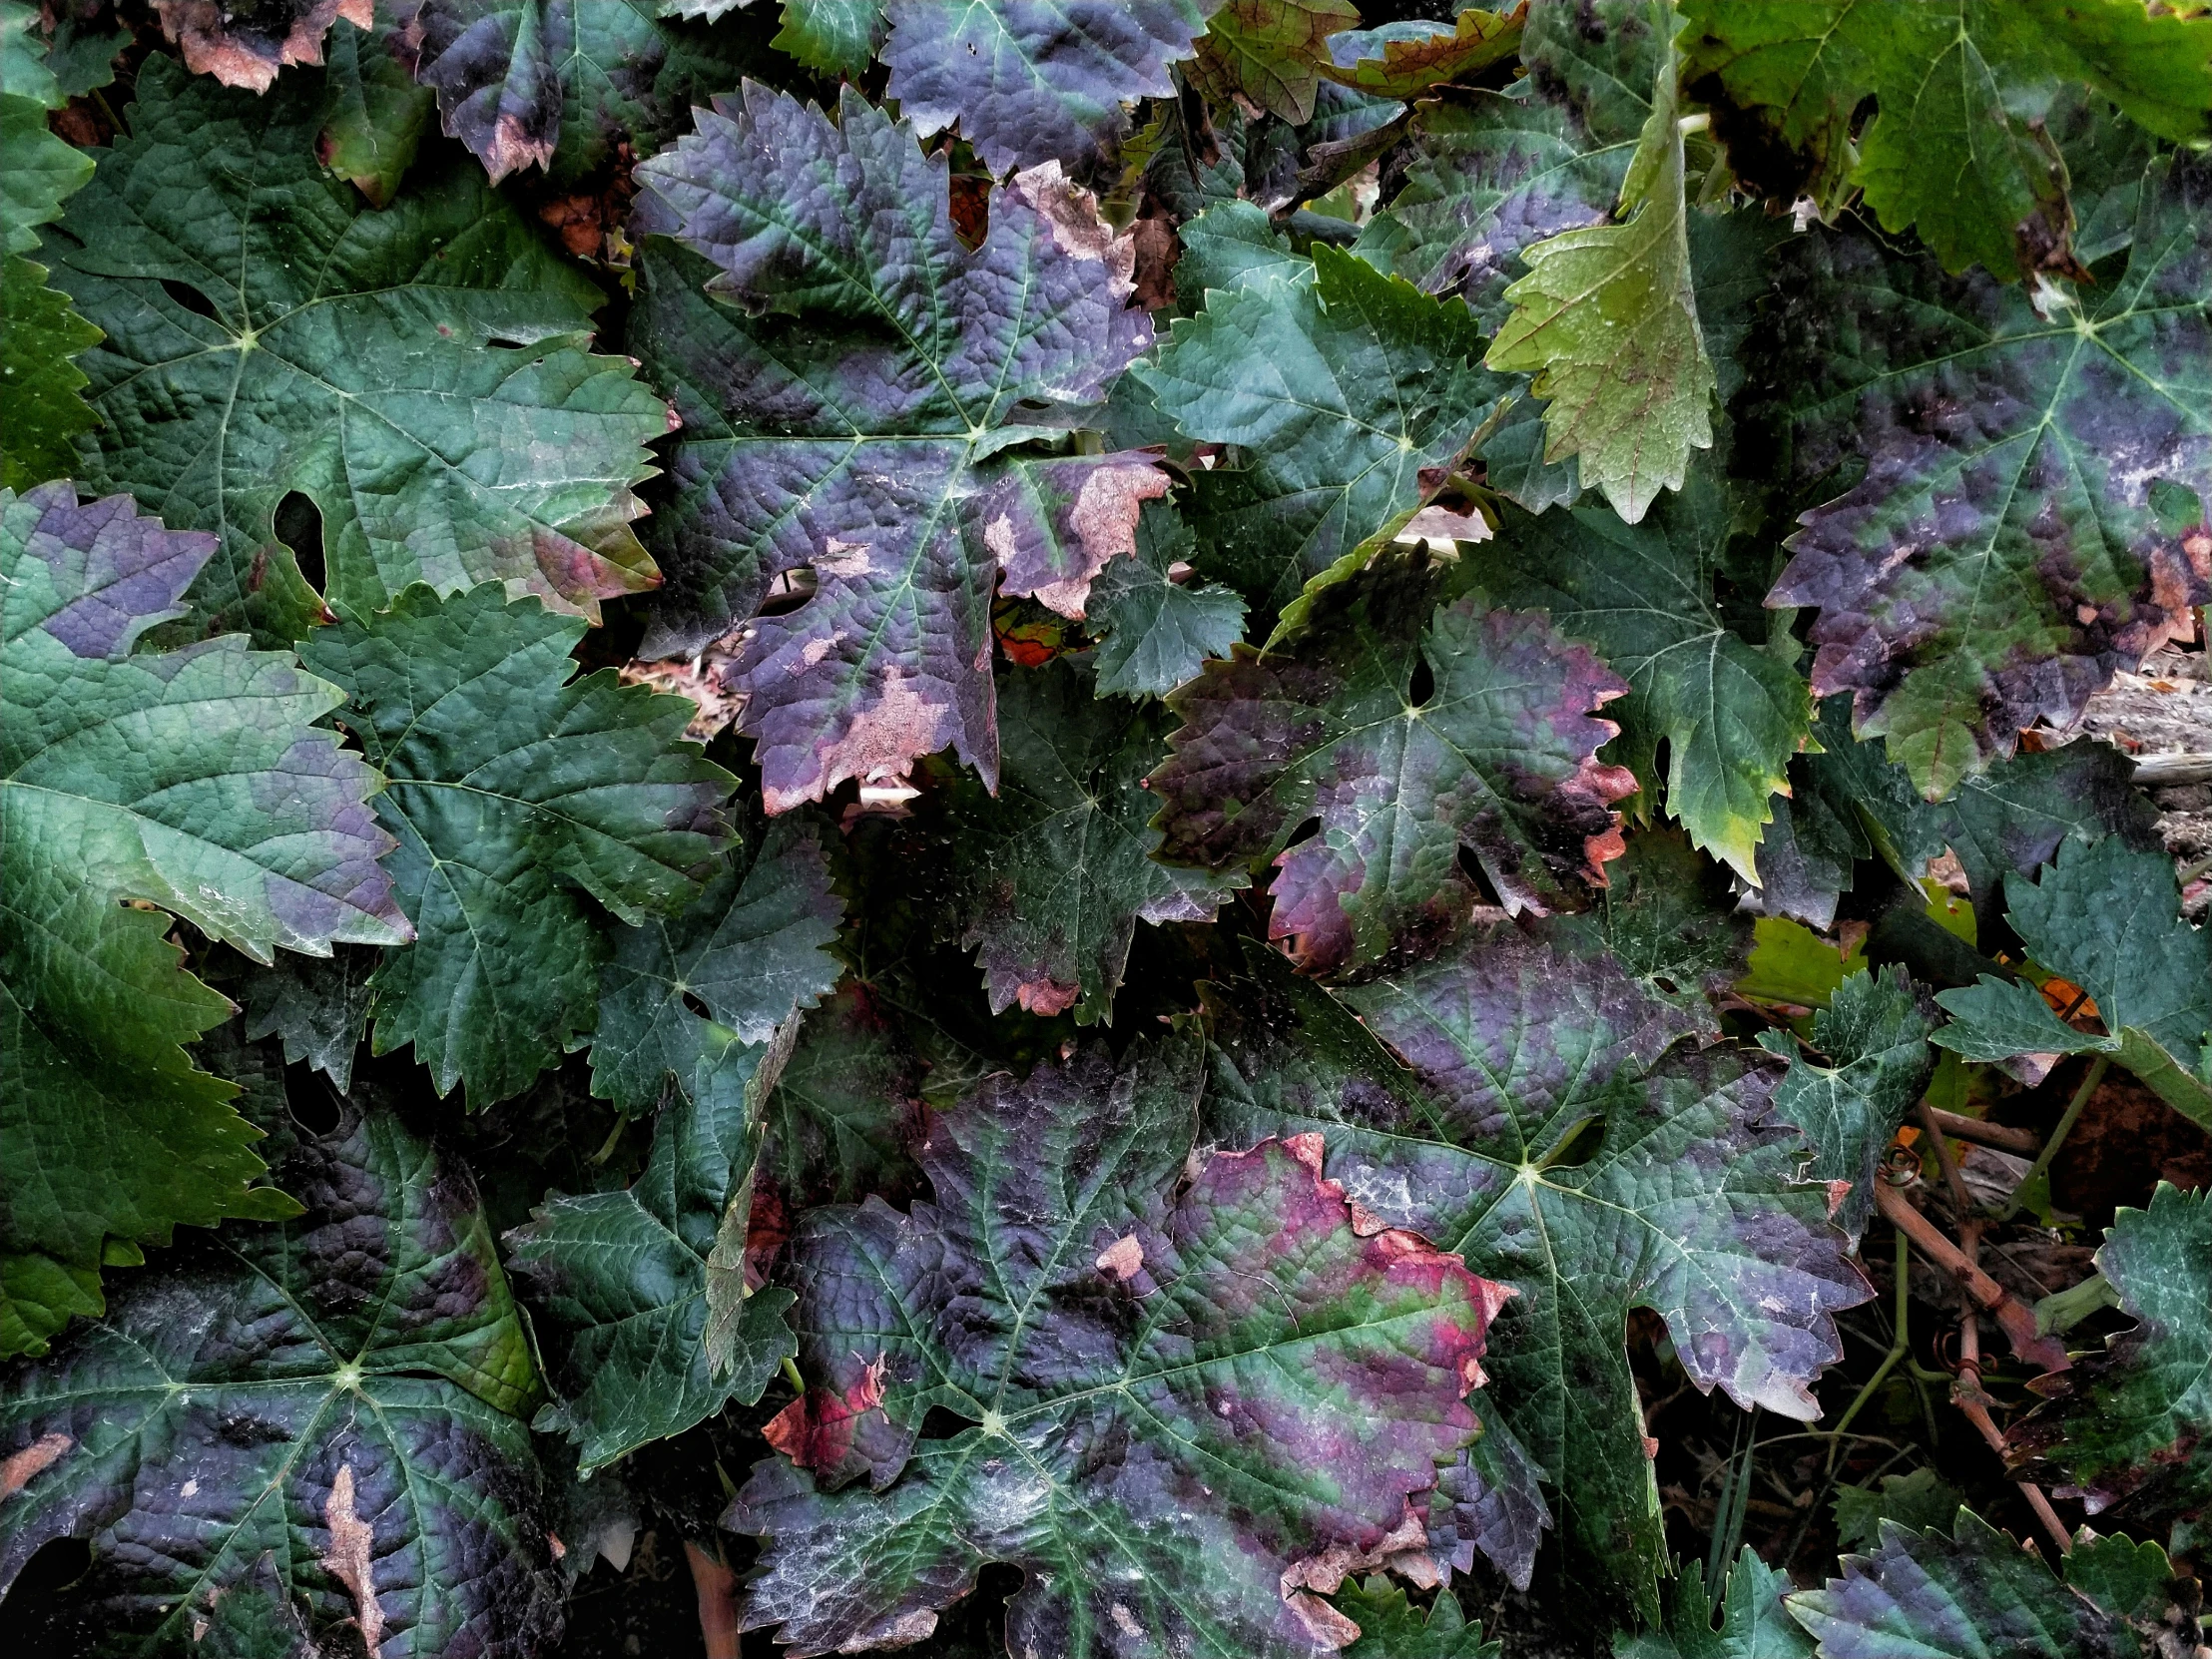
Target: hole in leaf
{"x": 37, "y": 1621}
{"x": 1579, "y": 1145}
{"x": 300, "y": 527}
{"x": 697, "y": 1007}
{"x": 790, "y": 590}
{"x": 1303, "y": 832}
{"x": 189, "y": 297}
{"x": 942, "y": 1423}
{"x": 1423, "y": 684}
{"x": 1478, "y": 878}
{"x": 315, "y": 1107}
{"x": 501, "y": 342}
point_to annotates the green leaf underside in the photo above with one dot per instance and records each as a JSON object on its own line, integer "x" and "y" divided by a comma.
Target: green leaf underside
{"x": 1501, "y": 760}
{"x": 333, "y": 1409}
{"x": 193, "y": 781}
{"x": 1688, "y": 1206}
{"x": 1754, "y": 1622}
{"x": 647, "y": 1285}
{"x": 2018, "y": 455}
{"x": 38, "y": 378}
{"x": 1273, "y": 53}
{"x": 1053, "y": 876}
{"x": 515, "y": 793}
{"x": 1164, "y": 1370}
{"x": 1154, "y": 633}
{"x": 2129, "y": 1435}
{"x": 854, "y": 383}
{"x": 348, "y": 355}
{"x": 2109, "y": 920}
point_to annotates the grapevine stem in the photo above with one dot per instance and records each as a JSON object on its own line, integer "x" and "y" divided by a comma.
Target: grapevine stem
{"x": 2017, "y": 1321}
{"x": 1967, "y": 1396}
{"x": 2089, "y": 1081}
{"x": 717, "y": 1586}
{"x": 791, "y": 1375}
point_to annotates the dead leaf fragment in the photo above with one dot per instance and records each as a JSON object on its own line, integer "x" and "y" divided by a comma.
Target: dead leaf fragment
{"x": 349, "y": 1560}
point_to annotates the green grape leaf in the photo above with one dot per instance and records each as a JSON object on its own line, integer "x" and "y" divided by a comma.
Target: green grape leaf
{"x": 645, "y": 1286}
{"x": 317, "y": 1005}
{"x": 1875, "y": 1038}
{"x": 515, "y": 794}
{"x": 246, "y": 46}
{"x": 1754, "y": 1623}
{"x": 196, "y": 782}
{"x": 1668, "y": 919}
{"x": 1500, "y": 759}
{"x": 750, "y": 949}
{"x": 1391, "y": 1627}
{"x": 1154, "y": 630}
{"x": 568, "y": 86}
{"x": 854, "y": 381}
{"x": 1959, "y": 150}
{"x": 1035, "y": 80}
{"x": 1914, "y": 1501}
{"x": 1999, "y": 559}
{"x": 1414, "y": 55}
{"x": 836, "y": 37}
{"x": 42, "y": 386}
{"x": 1272, "y": 53}
{"x": 1051, "y": 877}
{"x": 348, "y": 355}
{"x": 38, "y": 171}
{"x": 2129, "y": 1430}
{"x": 1606, "y": 322}
{"x": 335, "y": 1408}
{"x": 2109, "y": 920}
{"x": 847, "y": 1111}
{"x": 1730, "y": 712}
{"x": 1550, "y": 1132}
{"x": 375, "y": 114}
{"x": 1159, "y": 1361}
{"x": 1350, "y": 396}
{"x": 1978, "y": 1592}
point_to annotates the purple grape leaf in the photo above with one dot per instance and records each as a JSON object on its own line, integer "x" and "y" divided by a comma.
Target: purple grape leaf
{"x": 2130, "y": 1429}
{"x": 2031, "y": 518}
{"x": 1203, "y": 1392}
{"x": 245, "y": 46}
{"x": 1553, "y": 1131}
{"x": 854, "y": 381}
{"x": 318, "y": 1429}
{"x": 196, "y": 781}
{"x": 1034, "y": 81}
{"x": 1499, "y": 758}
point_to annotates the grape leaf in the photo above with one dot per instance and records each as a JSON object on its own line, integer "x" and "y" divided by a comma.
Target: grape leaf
{"x": 1391, "y": 1627}
{"x": 301, "y": 1438}
{"x": 1548, "y": 1136}
{"x": 1035, "y": 80}
{"x": 1978, "y": 1592}
{"x": 267, "y": 333}
{"x": 645, "y": 1286}
{"x": 1730, "y": 713}
{"x": 1273, "y": 53}
{"x": 1606, "y": 322}
{"x": 1052, "y": 876}
{"x": 836, "y": 37}
{"x": 375, "y": 114}
{"x": 2129, "y": 1430}
{"x": 1499, "y": 757}
{"x": 246, "y": 46}
{"x": 2109, "y": 920}
{"x": 854, "y": 419}
{"x": 2016, "y": 453}
{"x": 562, "y": 85}
{"x": 1959, "y": 150}
{"x": 45, "y": 410}
{"x": 1875, "y": 1038}
{"x": 38, "y": 171}
{"x": 749, "y": 950}
{"x": 1916, "y": 1501}
{"x": 317, "y": 1006}
{"x": 194, "y": 781}
{"x": 847, "y": 1111}
{"x": 1351, "y": 396}
{"x": 1155, "y": 632}
{"x": 1754, "y": 1623}
{"x": 514, "y": 793}
{"x": 1415, "y": 55}
{"x": 1160, "y": 1365}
